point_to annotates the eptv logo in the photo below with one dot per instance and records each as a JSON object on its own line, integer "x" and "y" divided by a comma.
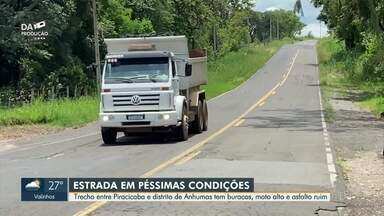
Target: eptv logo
{"x": 34, "y": 31}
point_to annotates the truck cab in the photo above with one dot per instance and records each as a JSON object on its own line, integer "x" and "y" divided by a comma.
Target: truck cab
{"x": 152, "y": 85}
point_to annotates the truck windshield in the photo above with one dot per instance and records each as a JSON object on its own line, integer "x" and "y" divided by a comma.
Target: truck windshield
{"x": 137, "y": 70}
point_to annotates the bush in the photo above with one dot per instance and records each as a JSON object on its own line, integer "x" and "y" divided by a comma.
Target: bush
{"x": 360, "y": 70}
{"x": 372, "y": 60}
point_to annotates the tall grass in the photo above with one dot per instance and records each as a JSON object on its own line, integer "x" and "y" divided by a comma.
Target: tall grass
{"x": 229, "y": 71}
{"x": 341, "y": 69}
{"x": 62, "y": 113}
{"x": 224, "y": 73}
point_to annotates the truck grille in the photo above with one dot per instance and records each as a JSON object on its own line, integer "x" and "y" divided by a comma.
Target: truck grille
{"x": 145, "y": 100}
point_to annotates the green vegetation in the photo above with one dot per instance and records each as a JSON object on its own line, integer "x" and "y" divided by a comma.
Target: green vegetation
{"x": 340, "y": 69}
{"x": 224, "y": 73}
{"x": 62, "y": 113}
{"x": 62, "y": 64}
{"x": 359, "y": 24}
{"x": 284, "y": 24}
{"x": 49, "y": 81}
{"x": 329, "y": 73}
{"x": 229, "y": 71}
{"x": 353, "y": 59}
{"x": 353, "y": 21}
{"x": 376, "y": 104}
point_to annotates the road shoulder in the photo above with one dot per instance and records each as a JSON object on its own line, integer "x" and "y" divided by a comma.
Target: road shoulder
{"x": 358, "y": 138}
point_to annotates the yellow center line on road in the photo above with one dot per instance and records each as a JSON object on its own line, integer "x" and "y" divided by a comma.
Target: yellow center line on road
{"x": 187, "y": 158}
{"x": 290, "y": 68}
{"x": 193, "y": 150}
{"x": 241, "y": 121}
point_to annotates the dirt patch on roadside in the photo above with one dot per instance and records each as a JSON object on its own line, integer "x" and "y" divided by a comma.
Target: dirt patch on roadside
{"x": 16, "y": 132}
{"x": 358, "y": 137}
{"x": 365, "y": 193}
{"x": 366, "y": 174}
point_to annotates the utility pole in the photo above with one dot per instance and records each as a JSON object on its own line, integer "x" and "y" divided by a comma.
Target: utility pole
{"x": 250, "y": 28}
{"x": 96, "y": 41}
{"x": 214, "y": 39}
{"x": 278, "y": 30}
{"x": 270, "y": 28}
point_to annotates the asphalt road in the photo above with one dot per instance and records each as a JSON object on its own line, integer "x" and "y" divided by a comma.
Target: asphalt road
{"x": 270, "y": 128}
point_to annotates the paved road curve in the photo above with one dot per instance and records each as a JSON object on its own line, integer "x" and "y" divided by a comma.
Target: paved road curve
{"x": 269, "y": 128}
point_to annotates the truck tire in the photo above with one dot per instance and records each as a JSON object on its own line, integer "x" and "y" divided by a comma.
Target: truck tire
{"x": 199, "y": 119}
{"x": 182, "y": 130}
{"x": 108, "y": 135}
{"x": 205, "y": 115}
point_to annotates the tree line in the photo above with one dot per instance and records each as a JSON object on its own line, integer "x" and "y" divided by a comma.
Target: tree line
{"x": 61, "y": 62}
{"x": 360, "y": 25}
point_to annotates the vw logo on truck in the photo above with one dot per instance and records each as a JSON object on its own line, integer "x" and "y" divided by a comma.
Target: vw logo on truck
{"x": 135, "y": 100}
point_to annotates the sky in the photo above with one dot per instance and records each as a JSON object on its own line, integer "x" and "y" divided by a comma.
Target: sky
{"x": 310, "y": 14}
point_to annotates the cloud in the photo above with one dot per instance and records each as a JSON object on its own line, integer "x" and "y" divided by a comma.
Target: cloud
{"x": 263, "y": 5}
{"x": 33, "y": 185}
{"x": 272, "y": 8}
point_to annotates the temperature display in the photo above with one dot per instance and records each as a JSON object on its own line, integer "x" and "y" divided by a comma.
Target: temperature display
{"x": 44, "y": 189}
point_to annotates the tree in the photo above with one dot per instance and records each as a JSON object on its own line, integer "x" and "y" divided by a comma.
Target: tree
{"x": 161, "y": 13}
{"x": 236, "y": 33}
{"x": 359, "y": 23}
{"x": 298, "y": 8}
{"x": 289, "y": 24}
{"x": 349, "y": 18}
{"x": 116, "y": 20}
{"x": 63, "y": 59}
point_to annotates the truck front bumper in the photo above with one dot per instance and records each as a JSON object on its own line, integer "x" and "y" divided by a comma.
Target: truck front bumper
{"x": 151, "y": 119}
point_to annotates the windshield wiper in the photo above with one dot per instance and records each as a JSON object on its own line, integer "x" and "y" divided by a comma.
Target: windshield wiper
{"x": 127, "y": 79}
{"x": 130, "y": 79}
{"x": 152, "y": 79}
{"x": 143, "y": 76}
{"x": 122, "y": 79}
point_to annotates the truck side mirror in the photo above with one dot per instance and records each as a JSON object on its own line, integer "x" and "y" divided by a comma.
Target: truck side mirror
{"x": 188, "y": 69}
{"x": 173, "y": 69}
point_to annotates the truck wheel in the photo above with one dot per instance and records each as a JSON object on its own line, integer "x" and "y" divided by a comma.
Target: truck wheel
{"x": 182, "y": 131}
{"x": 108, "y": 135}
{"x": 205, "y": 116}
{"x": 199, "y": 120}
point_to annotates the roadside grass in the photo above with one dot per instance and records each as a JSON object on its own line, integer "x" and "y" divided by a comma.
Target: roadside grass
{"x": 375, "y": 104}
{"x": 336, "y": 77}
{"x": 57, "y": 113}
{"x": 343, "y": 164}
{"x": 224, "y": 74}
{"x": 330, "y": 74}
{"x": 229, "y": 71}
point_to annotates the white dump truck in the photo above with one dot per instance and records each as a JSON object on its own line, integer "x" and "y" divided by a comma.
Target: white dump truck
{"x": 153, "y": 84}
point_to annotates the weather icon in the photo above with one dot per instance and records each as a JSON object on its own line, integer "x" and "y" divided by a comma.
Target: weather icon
{"x": 33, "y": 186}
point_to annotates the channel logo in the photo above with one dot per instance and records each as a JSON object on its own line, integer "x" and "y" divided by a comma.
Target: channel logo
{"x": 32, "y": 26}
{"x": 34, "y": 31}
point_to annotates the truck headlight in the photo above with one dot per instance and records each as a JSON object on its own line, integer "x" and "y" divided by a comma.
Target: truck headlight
{"x": 166, "y": 116}
{"x": 107, "y": 117}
